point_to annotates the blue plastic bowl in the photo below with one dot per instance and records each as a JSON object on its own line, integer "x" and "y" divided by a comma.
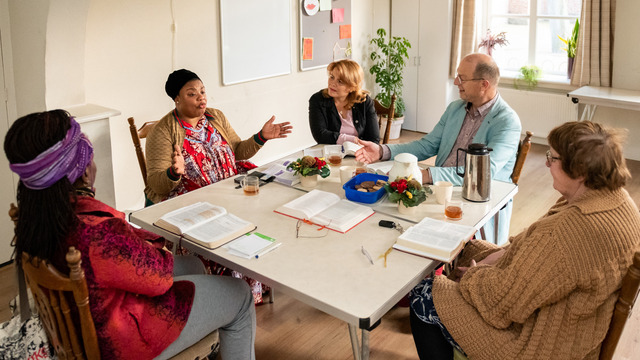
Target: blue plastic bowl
{"x": 364, "y": 197}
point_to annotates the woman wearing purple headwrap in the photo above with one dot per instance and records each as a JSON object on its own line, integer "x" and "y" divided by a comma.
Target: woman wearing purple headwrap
{"x": 145, "y": 303}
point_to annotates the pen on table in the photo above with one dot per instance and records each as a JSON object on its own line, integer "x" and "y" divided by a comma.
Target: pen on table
{"x": 366, "y": 253}
{"x": 268, "y": 250}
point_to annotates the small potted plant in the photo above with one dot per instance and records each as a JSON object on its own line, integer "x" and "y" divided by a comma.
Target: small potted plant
{"x": 490, "y": 41}
{"x": 308, "y": 168}
{"x": 571, "y": 44}
{"x": 389, "y": 60}
{"x": 408, "y": 193}
{"x": 529, "y": 75}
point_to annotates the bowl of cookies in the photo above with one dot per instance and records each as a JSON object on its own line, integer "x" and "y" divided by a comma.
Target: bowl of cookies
{"x": 365, "y": 188}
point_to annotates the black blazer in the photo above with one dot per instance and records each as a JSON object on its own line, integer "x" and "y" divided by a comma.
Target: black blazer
{"x": 325, "y": 123}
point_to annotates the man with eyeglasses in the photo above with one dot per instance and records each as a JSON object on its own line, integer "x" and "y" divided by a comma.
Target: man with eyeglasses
{"x": 479, "y": 116}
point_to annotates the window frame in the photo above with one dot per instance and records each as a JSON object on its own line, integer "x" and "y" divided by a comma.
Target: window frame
{"x": 547, "y": 80}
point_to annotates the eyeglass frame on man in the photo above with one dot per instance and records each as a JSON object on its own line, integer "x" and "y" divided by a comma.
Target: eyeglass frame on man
{"x": 551, "y": 159}
{"x": 463, "y": 81}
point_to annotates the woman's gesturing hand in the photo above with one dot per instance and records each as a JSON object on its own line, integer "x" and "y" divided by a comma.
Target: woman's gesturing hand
{"x": 275, "y": 131}
{"x": 177, "y": 161}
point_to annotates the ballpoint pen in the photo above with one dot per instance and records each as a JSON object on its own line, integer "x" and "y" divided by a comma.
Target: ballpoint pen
{"x": 366, "y": 253}
{"x": 260, "y": 254}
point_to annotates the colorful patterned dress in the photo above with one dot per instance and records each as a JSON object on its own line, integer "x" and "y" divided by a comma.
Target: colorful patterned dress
{"x": 137, "y": 308}
{"x": 208, "y": 158}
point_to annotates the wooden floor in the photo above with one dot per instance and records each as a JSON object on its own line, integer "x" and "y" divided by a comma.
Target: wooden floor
{"x": 289, "y": 329}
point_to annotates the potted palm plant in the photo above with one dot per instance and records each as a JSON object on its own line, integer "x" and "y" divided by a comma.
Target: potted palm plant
{"x": 389, "y": 60}
{"x": 571, "y": 44}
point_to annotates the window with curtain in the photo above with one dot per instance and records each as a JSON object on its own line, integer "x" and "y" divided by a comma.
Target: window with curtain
{"x": 532, "y": 28}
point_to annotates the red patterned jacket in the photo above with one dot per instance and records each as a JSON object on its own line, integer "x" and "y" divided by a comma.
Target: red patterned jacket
{"x": 137, "y": 308}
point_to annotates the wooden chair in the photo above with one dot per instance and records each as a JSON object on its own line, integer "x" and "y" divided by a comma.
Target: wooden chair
{"x": 389, "y": 112}
{"x": 622, "y": 311}
{"x": 51, "y": 291}
{"x": 523, "y": 150}
{"x": 136, "y": 135}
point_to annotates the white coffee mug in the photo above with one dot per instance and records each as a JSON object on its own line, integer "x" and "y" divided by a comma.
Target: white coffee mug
{"x": 443, "y": 191}
{"x": 346, "y": 173}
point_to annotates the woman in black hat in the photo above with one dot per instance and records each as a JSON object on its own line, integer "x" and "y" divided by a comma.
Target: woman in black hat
{"x": 193, "y": 145}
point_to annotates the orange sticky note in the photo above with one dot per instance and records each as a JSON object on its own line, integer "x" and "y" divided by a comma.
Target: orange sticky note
{"x": 345, "y": 31}
{"x": 307, "y": 48}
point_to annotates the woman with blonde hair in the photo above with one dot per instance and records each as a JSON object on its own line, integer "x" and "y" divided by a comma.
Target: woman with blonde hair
{"x": 343, "y": 111}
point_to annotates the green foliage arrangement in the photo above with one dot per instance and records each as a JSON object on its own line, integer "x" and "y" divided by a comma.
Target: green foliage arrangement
{"x": 389, "y": 60}
{"x": 529, "y": 74}
{"x": 407, "y": 190}
{"x": 309, "y": 165}
{"x": 571, "y": 43}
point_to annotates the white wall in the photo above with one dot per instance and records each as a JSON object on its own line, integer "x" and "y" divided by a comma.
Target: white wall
{"x": 626, "y": 73}
{"x": 128, "y": 56}
{"x": 28, "y": 23}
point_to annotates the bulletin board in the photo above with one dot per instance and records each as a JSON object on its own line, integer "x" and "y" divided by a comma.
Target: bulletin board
{"x": 325, "y": 32}
{"x": 255, "y": 39}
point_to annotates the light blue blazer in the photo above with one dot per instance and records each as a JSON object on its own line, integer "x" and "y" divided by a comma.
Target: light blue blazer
{"x": 500, "y": 131}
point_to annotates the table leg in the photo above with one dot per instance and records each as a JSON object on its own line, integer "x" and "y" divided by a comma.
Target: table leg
{"x": 365, "y": 344}
{"x": 496, "y": 228}
{"x": 588, "y": 112}
{"x": 353, "y": 333}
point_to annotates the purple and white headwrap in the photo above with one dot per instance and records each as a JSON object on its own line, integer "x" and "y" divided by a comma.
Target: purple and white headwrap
{"x": 68, "y": 157}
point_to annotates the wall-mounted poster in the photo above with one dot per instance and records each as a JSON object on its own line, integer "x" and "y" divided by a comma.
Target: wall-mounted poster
{"x": 329, "y": 31}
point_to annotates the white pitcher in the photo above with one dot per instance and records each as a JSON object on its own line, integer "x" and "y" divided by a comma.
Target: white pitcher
{"x": 405, "y": 164}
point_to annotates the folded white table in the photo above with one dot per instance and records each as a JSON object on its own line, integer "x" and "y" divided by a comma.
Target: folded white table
{"x": 329, "y": 273}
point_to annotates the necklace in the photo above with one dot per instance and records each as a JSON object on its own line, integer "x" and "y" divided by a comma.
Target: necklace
{"x": 85, "y": 191}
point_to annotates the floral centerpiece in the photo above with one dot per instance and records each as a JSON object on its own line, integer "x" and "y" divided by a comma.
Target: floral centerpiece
{"x": 407, "y": 192}
{"x": 308, "y": 168}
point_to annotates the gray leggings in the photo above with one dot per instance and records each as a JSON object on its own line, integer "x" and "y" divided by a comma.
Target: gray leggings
{"x": 220, "y": 302}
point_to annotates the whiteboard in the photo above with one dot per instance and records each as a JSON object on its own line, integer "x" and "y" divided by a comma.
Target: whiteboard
{"x": 256, "y": 39}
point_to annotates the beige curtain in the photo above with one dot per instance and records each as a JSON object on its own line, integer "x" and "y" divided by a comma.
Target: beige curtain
{"x": 594, "y": 54}
{"x": 463, "y": 36}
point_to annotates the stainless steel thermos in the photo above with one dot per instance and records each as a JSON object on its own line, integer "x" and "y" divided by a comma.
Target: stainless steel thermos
{"x": 476, "y": 184}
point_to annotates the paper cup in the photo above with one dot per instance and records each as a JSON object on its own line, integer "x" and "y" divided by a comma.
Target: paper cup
{"x": 346, "y": 173}
{"x": 443, "y": 191}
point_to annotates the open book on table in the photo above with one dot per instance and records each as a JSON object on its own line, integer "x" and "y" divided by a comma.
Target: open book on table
{"x": 326, "y": 209}
{"x": 435, "y": 239}
{"x": 282, "y": 174}
{"x": 205, "y": 224}
{"x": 350, "y": 148}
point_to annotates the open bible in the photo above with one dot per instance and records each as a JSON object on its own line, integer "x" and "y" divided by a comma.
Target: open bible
{"x": 206, "y": 224}
{"x": 326, "y": 209}
{"x": 435, "y": 239}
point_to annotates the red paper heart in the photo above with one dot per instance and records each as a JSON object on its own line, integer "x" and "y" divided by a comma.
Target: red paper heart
{"x": 311, "y": 6}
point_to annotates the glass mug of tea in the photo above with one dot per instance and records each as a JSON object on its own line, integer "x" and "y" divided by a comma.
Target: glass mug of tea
{"x": 250, "y": 185}
{"x": 453, "y": 209}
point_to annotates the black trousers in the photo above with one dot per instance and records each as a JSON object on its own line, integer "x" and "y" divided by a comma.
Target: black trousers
{"x": 430, "y": 342}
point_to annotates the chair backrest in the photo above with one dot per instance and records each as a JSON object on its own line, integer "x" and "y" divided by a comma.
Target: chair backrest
{"x": 384, "y": 111}
{"x": 523, "y": 150}
{"x": 626, "y": 299}
{"x": 136, "y": 135}
{"x": 52, "y": 292}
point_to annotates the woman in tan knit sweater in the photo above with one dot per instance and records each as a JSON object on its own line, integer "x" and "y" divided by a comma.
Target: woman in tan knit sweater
{"x": 549, "y": 293}
{"x": 194, "y": 146}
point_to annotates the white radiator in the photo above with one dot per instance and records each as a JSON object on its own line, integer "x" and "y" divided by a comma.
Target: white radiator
{"x": 539, "y": 111}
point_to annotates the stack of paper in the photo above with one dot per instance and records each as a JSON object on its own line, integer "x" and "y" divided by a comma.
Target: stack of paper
{"x": 252, "y": 245}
